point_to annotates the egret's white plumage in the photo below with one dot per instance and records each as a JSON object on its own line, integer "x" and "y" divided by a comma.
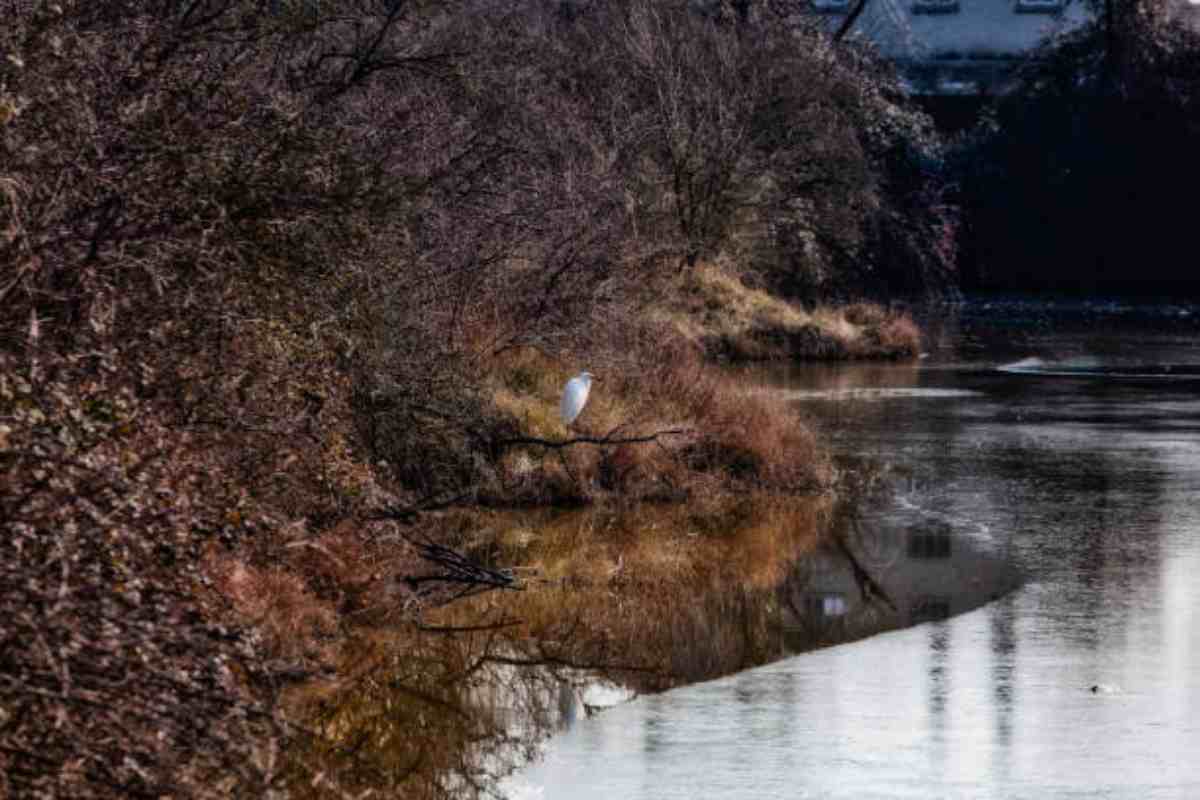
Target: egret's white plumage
{"x": 575, "y": 396}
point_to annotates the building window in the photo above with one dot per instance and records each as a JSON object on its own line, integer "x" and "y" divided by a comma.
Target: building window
{"x": 929, "y": 608}
{"x": 929, "y": 544}
{"x": 1039, "y": 6}
{"x": 831, "y": 6}
{"x": 935, "y": 6}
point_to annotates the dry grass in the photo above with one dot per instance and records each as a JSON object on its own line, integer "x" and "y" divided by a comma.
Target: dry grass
{"x": 713, "y": 307}
{"x": 732, "y": 439}
{"x": 900, "y": 336}
{"x": 300, "y": 332}
{"x": 715, "y": 302}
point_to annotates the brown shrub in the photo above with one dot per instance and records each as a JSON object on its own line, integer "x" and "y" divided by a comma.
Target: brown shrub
{"x": 114, "y": 678}
{"x": 900, "y": 336}
{"x": 740, "y": 434}
{"x": 758, "y": 438}
{"x": 866, "y": 314}
{"x": 256, "y": 255}
{"x": 278, "y": 603}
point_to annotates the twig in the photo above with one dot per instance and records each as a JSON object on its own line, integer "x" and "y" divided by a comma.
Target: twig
{"x": 563, "y": 459}
{"x": 848, "y": 22}
{"x": 456, "y": 569}
{"x": 490, "y": 626}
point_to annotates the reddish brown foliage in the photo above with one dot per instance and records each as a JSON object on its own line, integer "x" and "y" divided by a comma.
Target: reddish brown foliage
{"x": 259, "y": 266}
{"x": 114, "y": 679}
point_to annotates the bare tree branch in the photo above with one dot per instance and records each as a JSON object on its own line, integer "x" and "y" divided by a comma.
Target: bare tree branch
{"x": 851, "y": 17}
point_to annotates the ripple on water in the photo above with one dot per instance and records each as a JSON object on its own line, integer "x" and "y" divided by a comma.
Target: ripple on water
{"x": 1087, "y": 481}
{"x": 879, "y": 393}
{"x": 1092, "y": 368}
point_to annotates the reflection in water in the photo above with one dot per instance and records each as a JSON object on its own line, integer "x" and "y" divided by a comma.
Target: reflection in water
{"x": 887, "y": 570}
{"x": 449, "y": 705}
{"x": 1002, "y": 642}
{"x": 1089, "y": 484}
{"x": 1093, "y": 368}
{"x": 939, "y": 650}
{"x": 933, "y": 543}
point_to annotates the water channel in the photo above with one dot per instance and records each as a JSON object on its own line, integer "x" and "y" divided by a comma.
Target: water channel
{"x": 1028, "y": 592}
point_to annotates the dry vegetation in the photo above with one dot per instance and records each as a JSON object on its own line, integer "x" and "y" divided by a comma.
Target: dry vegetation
{"x": 715, "y": 309}
{"x": 472, "y": 689}
{"x": 278, "y": 285}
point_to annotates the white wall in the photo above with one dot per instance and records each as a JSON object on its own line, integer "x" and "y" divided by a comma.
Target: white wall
{"x": 978, "y": 28}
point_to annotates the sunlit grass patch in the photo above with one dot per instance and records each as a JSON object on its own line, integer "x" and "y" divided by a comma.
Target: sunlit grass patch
{"x": 834, "y": 322}
{"x": 727, "y": 538}
{"x": 536, "y": 414}
{"x": 737, "y": 305}
{"x": 701, "y": 430}
{"x": 715, "y": 308}
{"x": 900, "y": 335}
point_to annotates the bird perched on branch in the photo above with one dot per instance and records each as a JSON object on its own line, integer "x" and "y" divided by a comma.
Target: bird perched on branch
{"x": 575, "y": 396}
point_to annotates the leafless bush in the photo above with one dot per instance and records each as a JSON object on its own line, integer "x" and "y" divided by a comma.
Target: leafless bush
{"x": 113, "y": 678}
{"x": 741, "y": 129}
{"x": 257, "y": 248}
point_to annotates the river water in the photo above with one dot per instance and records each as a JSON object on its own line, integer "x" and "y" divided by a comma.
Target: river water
{"x": 1028, "y": 588}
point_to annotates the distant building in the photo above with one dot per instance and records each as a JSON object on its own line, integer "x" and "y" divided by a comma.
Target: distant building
{"x": 963, "y": 47}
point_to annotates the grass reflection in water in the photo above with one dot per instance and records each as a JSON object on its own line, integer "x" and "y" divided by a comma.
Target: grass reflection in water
{"x": 645, "y": 597}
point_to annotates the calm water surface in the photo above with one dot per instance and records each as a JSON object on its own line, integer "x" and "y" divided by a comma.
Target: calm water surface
{"x": 1036, "y": 576}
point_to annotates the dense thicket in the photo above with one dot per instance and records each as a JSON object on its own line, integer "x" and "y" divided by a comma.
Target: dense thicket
{"x": 1078, "y": 179}
{"x": 254, "y": 258}
{"x": 751, "y": 135}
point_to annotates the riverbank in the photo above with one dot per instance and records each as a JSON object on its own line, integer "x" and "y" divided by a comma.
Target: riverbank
{"x": 1084, "y": 485}
{"x": 283, "y": 338}
{"x": 692, "y": 492}
{"x": 472, "y": 690}
{"x": 311, "y": 556}
{"x": 288, "y": 535}
{"x": 714, "y": 308}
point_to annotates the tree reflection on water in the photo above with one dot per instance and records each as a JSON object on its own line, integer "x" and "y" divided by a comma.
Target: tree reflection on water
{"x": 451, "y": 704}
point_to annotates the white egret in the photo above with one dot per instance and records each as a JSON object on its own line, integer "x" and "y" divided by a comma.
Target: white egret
{"x": 575, "y": 396}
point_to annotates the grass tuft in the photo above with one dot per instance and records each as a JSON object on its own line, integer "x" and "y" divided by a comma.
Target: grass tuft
{"x": 713, "y": 307}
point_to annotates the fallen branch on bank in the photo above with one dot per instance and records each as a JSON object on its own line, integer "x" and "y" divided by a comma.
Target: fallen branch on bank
{"x": 608, "y": 439}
